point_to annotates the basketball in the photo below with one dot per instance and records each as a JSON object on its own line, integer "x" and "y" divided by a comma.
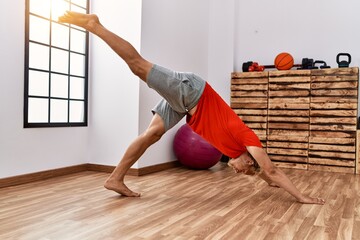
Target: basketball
{"x": 284, "y": 61}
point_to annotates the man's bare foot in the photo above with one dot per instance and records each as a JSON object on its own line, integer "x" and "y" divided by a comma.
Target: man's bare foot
{"x": 120, "y": 188}
{"x": 86, "y": 21}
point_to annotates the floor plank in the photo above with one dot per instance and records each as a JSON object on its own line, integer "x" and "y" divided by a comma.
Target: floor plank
{"x": 181, "y": 204}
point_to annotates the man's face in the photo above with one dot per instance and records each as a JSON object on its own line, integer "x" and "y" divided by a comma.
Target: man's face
{"x": 243, "y": 164}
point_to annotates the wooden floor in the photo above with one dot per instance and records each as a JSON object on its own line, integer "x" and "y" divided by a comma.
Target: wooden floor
{"x": 181, "y": 204}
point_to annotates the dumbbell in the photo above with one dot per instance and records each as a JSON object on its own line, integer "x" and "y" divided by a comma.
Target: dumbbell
{"x": 307, "y": 63}
{"x": 324, "y": 65}
{"x": 252, "y": 67}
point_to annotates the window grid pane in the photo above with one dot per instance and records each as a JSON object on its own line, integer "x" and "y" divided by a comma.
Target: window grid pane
{"x": 76, "y": 111}
{"x": 56, "y": 65}
{"x": 38, "y": 83}
{"x": 60, "y": 36}
{"x": 39, "y": 29}
{"x": 38, "y": 110}
{"x": 58, "y": 111}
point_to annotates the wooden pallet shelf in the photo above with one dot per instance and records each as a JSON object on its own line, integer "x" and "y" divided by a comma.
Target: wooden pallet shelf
{"x": 289, "y": 92}
{"x": 333, "y": 114}
{"x": 249, "y": 100}
{"x": 306, "y": 119}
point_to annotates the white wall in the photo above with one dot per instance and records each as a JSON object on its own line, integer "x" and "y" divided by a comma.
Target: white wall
{"x": 306, "y": 29}
{"x": 174, "y": 35}
{"x": 27, "y": 150}
{"x": 114, "y": 90}
{"x": 221, "y": 46}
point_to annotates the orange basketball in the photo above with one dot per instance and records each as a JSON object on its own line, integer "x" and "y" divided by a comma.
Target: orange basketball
{"x": 284, "y": 61}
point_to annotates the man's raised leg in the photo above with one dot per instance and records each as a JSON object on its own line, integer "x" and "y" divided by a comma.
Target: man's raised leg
{"x": 90, "y": 22}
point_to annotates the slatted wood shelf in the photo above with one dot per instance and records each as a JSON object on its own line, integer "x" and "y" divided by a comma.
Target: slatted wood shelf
{"x": 305, "y": 119}
{"x": 333, "y": 109}
{"x": 249, "y": 99}
{"x": 289, "y": 92}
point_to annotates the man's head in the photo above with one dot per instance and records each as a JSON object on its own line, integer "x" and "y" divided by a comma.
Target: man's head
{"x": 245, "y": 163}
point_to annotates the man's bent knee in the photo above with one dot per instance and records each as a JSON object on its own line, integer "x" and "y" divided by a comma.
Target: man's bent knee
{"x": 155, "y": 130}
{"x": 153, "y": 134}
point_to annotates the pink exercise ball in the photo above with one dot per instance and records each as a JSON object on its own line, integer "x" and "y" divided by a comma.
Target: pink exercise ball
{"x": 193, "y": 151}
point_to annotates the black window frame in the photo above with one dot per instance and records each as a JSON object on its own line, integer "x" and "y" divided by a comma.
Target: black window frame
{"x": 26, "y": 122}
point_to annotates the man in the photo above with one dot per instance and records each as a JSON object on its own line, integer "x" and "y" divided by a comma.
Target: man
{"x": 186, "y": 94}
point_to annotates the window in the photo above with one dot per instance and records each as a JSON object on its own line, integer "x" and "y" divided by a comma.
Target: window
{"x": 56, "y": 65}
